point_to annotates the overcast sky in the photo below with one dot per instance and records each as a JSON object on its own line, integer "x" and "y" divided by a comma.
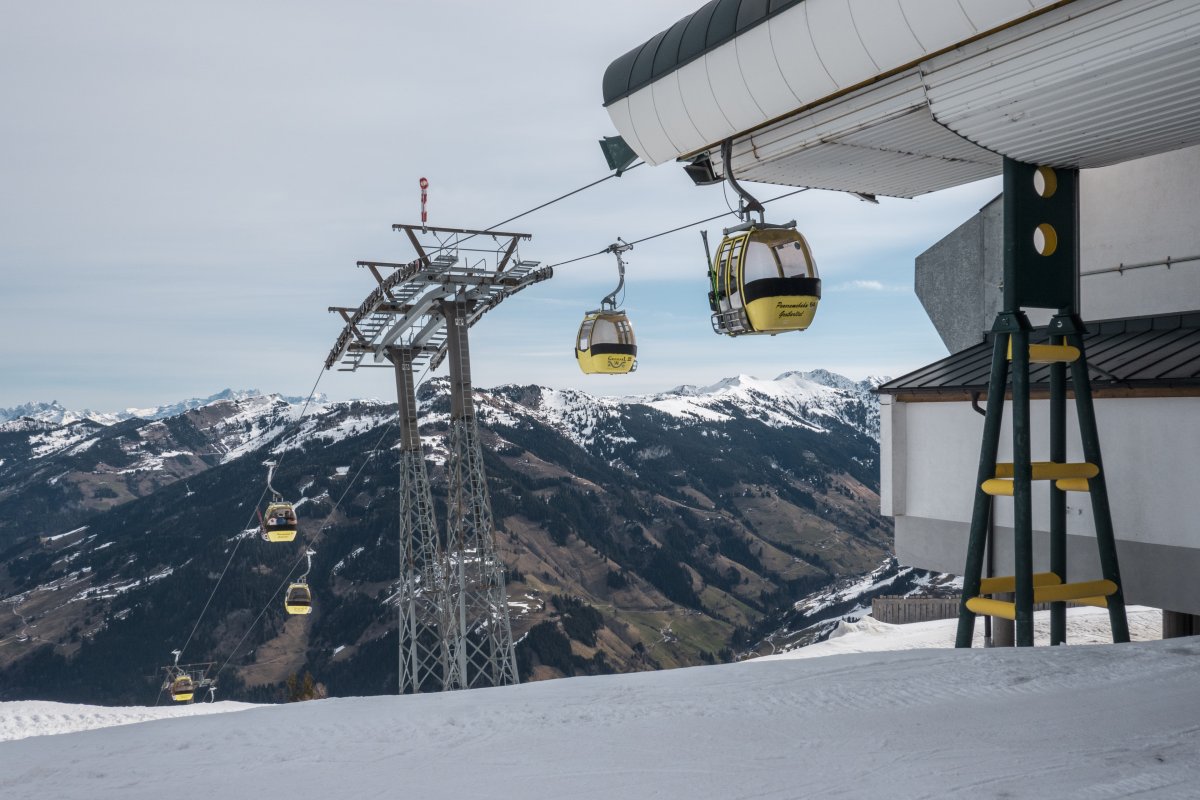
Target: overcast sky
{"x": 185, "y": 189}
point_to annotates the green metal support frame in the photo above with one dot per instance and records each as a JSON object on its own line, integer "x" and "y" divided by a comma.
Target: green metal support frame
{"x": 1038, "y": 279}
{"x": 981, "y": 513}
{"x": 1072, "y": 327}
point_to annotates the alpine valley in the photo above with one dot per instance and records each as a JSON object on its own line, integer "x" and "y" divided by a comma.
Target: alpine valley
{"x": 693, "y": 526}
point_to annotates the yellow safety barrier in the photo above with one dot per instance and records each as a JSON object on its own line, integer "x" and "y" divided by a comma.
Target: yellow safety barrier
{"x": 1069, "y": 477}
{"x": 1073, "y": 591}
{"x": 1007, "y": 610}
{"x": 992, "y": 608}
{"x": 1008, "y": 583}
{"x": 997, "y": 487}
{"x": 1051, "y": 470}
{"x": 1049, "y": 353}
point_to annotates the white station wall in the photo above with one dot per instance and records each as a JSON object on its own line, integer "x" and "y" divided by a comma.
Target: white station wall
{"x": 1140, "y": 211}
{"x": 1151, "y": 448}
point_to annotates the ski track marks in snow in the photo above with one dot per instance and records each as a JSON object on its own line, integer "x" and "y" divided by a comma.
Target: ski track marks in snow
{"x": 1099, "y": 721}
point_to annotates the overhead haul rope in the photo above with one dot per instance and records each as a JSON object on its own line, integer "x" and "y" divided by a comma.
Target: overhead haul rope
{"x": 563, "y": 197}
{"x": 304, "y": 410}
{"x": 309, "y": 399}
{"x": 571, "y": 193}
{"x": 316, "y": 537}
{"x": 287, "y": 578}
{"x": 674, "y": 230}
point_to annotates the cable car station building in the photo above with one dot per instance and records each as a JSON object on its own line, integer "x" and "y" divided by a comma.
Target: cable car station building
{"x": 1051, "y": 457}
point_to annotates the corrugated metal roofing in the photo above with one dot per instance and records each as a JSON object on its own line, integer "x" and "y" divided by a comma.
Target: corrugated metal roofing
{"x": 1159, "y": 352}
{"x": 890, "y": 147}
{"x": 1119, "y": 82}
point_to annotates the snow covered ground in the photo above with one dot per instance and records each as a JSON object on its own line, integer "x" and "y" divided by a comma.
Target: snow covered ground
{"x": 1102, "y": 721}
{"x": 1084, "y": 626}
{"x": 24, "y": 718}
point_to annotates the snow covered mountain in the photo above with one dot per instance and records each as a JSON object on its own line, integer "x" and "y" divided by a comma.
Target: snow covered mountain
{"x": 639, "y": 532}
{"x": 54, "y": 413}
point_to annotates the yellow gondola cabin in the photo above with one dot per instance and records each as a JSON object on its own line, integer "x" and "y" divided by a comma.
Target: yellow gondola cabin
{"x": 606, "y": 344}
{"x": 298, "y": 599}
{"x": 763, "y": 280}
{"x": 182, "y": 688}
{"x": 279, "y": 522}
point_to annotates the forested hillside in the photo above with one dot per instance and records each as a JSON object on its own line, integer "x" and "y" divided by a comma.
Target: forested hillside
{"x": 641, "y": 533}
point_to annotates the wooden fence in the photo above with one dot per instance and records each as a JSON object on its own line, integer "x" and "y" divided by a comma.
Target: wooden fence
{"x": 901, "y": 610}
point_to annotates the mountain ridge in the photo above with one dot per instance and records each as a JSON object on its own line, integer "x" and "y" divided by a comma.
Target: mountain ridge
{"x": 58, "y": 414}
{"x": 637, "y": 533}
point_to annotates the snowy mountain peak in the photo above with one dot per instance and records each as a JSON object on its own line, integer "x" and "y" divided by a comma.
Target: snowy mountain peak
{"x": 836, "y": 381}
{"x": 54, "y": 413}
{"x": 793, "y": 400}
{"x": 239, "y": 421}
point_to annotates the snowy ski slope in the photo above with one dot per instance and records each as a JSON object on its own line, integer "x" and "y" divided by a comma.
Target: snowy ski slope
{"x": 1100, "y": 721}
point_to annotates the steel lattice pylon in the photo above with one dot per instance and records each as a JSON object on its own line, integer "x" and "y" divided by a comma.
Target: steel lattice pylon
{"x": 481, "y": 648}
{"x": 455, "y": 631}
{"x": 422, "y": 598}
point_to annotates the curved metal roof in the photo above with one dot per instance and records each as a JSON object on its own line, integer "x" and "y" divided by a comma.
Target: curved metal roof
{"x": 716, "y": 23}
{"x": 903, "y": 97}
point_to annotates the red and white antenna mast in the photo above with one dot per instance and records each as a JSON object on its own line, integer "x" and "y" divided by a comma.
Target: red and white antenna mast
{"x": 424, "y": 197}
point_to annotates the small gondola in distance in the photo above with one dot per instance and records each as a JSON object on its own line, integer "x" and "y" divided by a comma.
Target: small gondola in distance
{"x": 605, "y": 343}
{"x": 298, "y": 599}
{"x": 182, "y": 688}
{"x": 279, "y": 523}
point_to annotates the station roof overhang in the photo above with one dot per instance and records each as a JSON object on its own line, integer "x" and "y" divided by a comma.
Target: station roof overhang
{"x": 904, "y": 97}
{"x": 1156, "y": 356}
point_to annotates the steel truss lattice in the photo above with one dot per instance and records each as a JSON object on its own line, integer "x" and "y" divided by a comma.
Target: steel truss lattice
{"x": 455, "y": 631}
{"x": 422, "y": 599}
{"x": 481, "y": 649}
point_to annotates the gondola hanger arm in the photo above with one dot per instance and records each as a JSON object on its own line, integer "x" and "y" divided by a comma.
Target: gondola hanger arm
{"x": 747, "y": 203}
{"x": 270, "y": 475}
{"x": 618, "y": 249}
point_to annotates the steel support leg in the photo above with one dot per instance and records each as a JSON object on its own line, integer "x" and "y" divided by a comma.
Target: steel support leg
{"x": 1098, "y": 488}
{"x": 1022, "y": 490}
{"x": 481, "y": 649}
{"x": 421, "y": 597}
{"x": 980, "y": 515}
{"x": 1058, "y": 498}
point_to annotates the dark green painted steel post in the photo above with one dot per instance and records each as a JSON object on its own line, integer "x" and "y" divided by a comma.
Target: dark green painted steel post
{"x": 1098, "y": 487}
{"x": 976, "y": 544}
{"x": 1022, "y": 488}
{"x": 1058, "y": 498}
